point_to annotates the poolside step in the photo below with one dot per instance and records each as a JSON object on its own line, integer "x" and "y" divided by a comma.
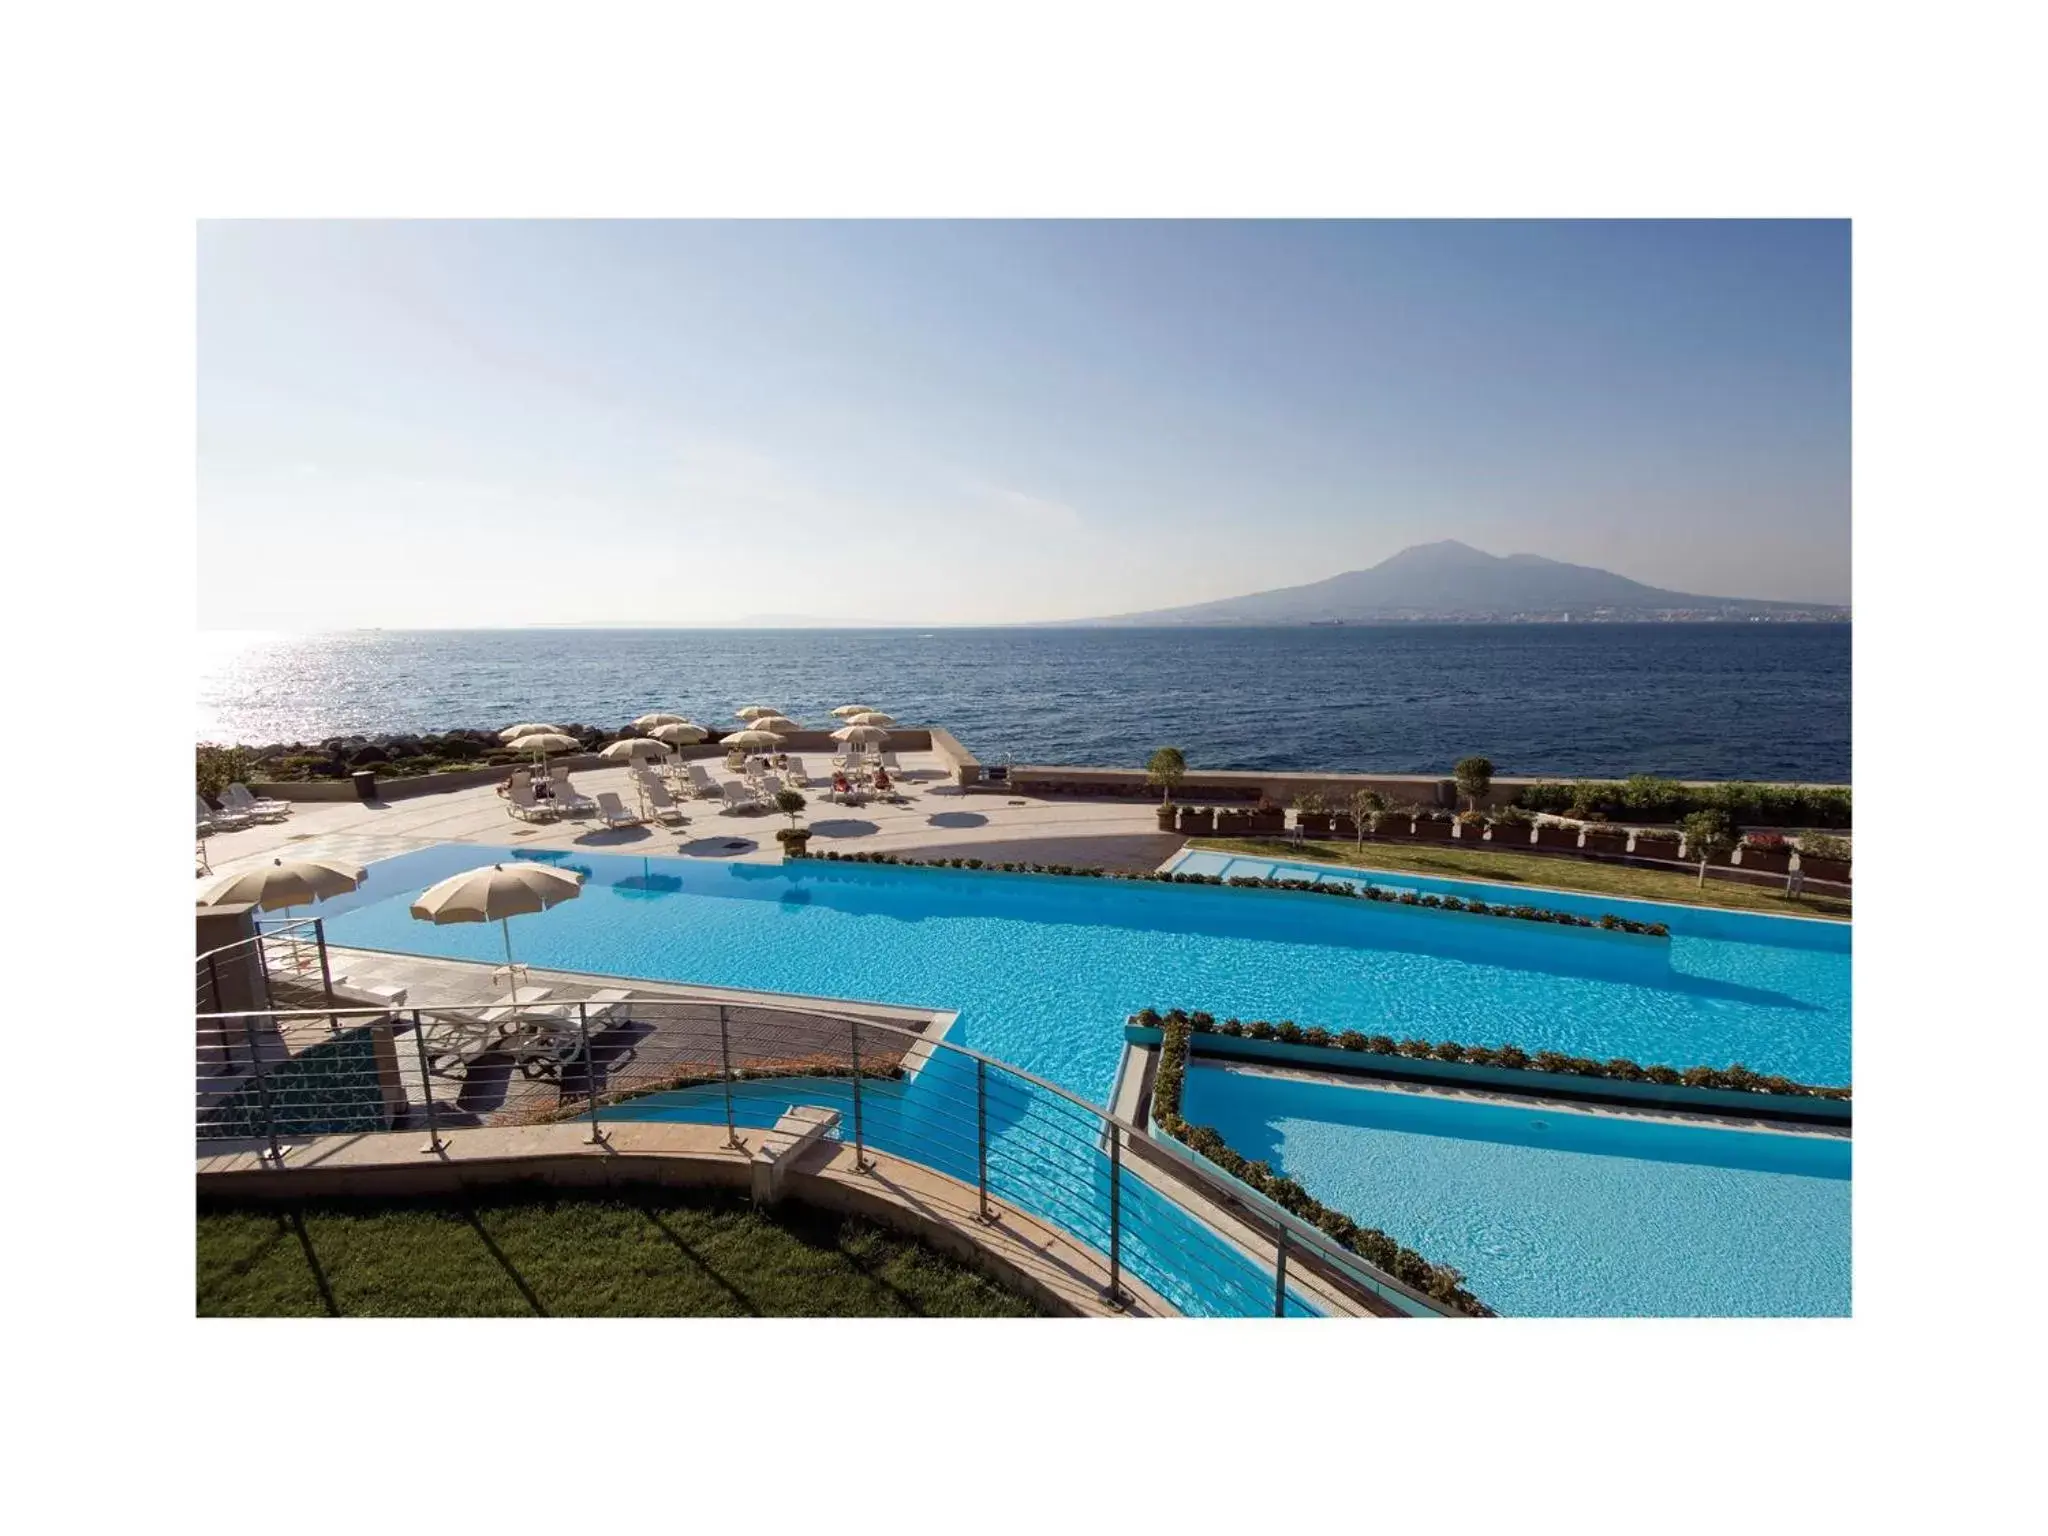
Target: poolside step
{"x": 793, "y": 1134}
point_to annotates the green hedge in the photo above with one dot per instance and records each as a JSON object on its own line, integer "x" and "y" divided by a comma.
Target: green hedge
{"x": 1438, "y": 1281}
{"x": 1644, "y": 798}
{"x": 1368, "y": 892}
{"x": 1737, "y": 1077}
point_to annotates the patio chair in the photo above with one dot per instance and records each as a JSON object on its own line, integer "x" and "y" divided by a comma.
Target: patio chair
{"x": 889, "y": 762}
{"x": 465, "y": 1034}
{"x": 239, "y": 797}
{"x": 613, "y": 813}
{"x": 568, "y": 800}
{"x": 702, "y": 785}
{"x": 549, "y": 1038}
{"x": 654, "y": 796}
{"x": 738, "y": 797}
{"x": 223, "y": 820}
{"x": 797, "y": 774}
{"x": 770, "y": 786}
{"x": 520, "y": 800}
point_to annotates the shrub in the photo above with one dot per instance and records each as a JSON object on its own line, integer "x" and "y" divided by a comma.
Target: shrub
{"x": 219, "y": 766}
{"x": 1313, "y": 801}
{"x": 1474, "y": 776}
{"x": 1164, "y": 770}
{"x": 1819, "y": 845}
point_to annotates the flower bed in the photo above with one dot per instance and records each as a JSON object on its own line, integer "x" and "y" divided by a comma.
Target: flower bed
{"x": 1607, "y": 921}
{"x": 1439, "y": 1281}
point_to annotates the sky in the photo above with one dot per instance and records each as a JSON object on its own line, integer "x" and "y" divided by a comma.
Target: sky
{"x": 497, "y": 424}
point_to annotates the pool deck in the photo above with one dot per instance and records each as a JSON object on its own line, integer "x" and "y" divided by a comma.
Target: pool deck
{"x": 935, "y": 820}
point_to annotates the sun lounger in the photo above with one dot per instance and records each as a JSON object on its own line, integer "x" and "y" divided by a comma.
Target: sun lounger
{"x": 797, "y": 773}
{"x": 520, "y": 801}
{"x": 738, "y": 797}
{"x": 769, "y": 787}
{"x": 549, "y": 1038}
{"x": 889, "y": 762}
{"x": 613, "y": 813}
{"x": 463, "y": 1035}
{"x": 240, "y": 797}
{"x": 222, "y": 820}
{"x": 568, "y": 801}
{"x": 654, "y": 796}
{"x": 702, "y": 785}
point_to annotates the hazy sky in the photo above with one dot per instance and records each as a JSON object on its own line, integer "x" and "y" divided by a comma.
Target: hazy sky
{"x": 483, "y": 424}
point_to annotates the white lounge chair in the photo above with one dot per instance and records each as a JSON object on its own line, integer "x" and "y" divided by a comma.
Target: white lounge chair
{"x": 797, "y": 773}
{"x": 654, "y": 796}
{"x": 240, "y": 797}
{"x": 567, "y": 799}
{"x": 549, "y": 1038}
{"x": 465, "y": 1034}
{"x": 738, "y": 797}
{"x": 613, "y": 813}
{"x": 520, "y": 801}
{"x": 889, "y": 762}
{"x": 702, "y": 785}
{"x": 770, "y": 786}
{"x": 223, "y": 820}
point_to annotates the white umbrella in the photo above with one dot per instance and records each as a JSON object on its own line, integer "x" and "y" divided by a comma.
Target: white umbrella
{"x": 531, "y": 728}
{"x": 752, "y": 738}
{"x": 649, "y": 722}
{"x": 498, "y": 893}
{"x": 541, "y": 743}
{"x": 778, "y": 723}
{"x": 278, "y": 884}
{"x": 681, "y": 734}
{"x": 871, "y": 717}
{"x": 860, "y": 735}
{"x": 634, "y": 748}
{"x": 848, "y": 711}
{"x": 748, "y": 711}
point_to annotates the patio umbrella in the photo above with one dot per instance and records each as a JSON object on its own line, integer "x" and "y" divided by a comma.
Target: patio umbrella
{"x": 634, "y": 748}
{"x": 871, "y": 717}
{"x": 752, "y": 738}
{"x": 848, "y": 711}
{"x": 777, "y": 723}
{"x": 497, "y": 893}
{"x": 681, "y": 734}
{"x": 860, "y": 735}
{"x": 531, "y": 728}
{"x": 278, "y": 884}
{"x": 649, "y": 722}
{"x": 541, "y": 743}
{"x": 748, "y": 711}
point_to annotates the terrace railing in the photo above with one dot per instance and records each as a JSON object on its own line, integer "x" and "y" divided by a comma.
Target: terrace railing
{"x": 1154, "y": 1210}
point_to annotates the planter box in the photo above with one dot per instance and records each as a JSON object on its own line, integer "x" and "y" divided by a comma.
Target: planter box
{"x": 1313, "y": 823}
{"x": 1605, "y": 840}
{"x": 1773, "y": 861}
{"x": 1656, "y": 847}
{"x": 1836, "y": 870}
{"x": 1196, "y": 820}
{"x": 1167, "y": 816}
{"x": 1343, "y": 825}
{"x": 1435, "y": 831}
{"x": 1232, "y": 823}
{"x": 1508, "y": 835}
{"x": 1267, "y": 823}
{"x": 1548, "y": 836}
{"x": 1397, "y": 829}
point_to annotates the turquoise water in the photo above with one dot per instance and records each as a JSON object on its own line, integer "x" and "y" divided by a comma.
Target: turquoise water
{"x": 1559, "y": 1214}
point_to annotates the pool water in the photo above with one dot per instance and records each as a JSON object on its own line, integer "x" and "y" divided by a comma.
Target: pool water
{"x": 1556, "y": 1213}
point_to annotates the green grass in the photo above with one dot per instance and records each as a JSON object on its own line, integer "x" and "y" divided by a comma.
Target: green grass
{"x": 1560, "y": 874}
{"x": 652, "y": 1253}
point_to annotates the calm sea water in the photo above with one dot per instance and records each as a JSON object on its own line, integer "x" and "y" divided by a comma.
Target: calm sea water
{"x": 1711, "y": 700}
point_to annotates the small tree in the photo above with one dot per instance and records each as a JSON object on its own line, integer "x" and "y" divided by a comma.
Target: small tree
{"x": 1166, "y": 768}
{"x": 1475, "y": 778}
{"x": 789, "y": 802}
{"x": 1365, "y": 804}
{"x": 1706, "y": 834}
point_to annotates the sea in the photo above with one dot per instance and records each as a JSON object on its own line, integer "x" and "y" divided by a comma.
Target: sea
{"x": 1711, "y": 701}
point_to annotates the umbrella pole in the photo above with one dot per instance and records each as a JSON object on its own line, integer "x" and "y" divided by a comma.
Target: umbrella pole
{"x": 511, "y": 970}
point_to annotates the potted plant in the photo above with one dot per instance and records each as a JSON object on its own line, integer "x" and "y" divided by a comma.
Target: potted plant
{"x": 1433, "y": 825}
{"x": 1822, "y": 857}
{"x": 1474, "y": 777}
{"x": 794, "y": 839}
{"x": 1196, "y": 820}
{"x": 1767, "y": 851}
{"x": 1268, "y": 817}
{"x": 1468, "y": 826}
{"x": 1164, "y": 771}
{"x": 1709, "y": 834}
{"x": 1312, "y": 813}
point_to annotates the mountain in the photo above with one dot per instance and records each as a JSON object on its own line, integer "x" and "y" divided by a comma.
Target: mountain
{"x": 1451, "y": 581}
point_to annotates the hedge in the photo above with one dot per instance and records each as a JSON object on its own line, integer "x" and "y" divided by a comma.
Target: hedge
{"x": 1737, "y": 1077}
{"x": 1367, "y": 892}
{"x": 1439, "y": 1281}
{"x": 1645, "y": 798}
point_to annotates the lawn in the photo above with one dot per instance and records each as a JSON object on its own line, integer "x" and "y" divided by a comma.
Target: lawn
{"x": 1561, "y": 874}
{"x": 652, "y": 1253}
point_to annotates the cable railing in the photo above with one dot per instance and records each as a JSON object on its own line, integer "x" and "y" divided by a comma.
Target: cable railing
{"x": 1149, "y": 1207}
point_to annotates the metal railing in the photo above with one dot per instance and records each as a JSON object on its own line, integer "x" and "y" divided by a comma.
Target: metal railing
{"x": 1150, "y": 1207}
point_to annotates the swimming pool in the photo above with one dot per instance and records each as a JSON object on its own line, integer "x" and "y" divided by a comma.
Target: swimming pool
{"x": 1556, "y": 1213}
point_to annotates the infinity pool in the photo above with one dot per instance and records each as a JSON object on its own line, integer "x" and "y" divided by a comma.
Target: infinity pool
{"x": 1556, "y": 1213}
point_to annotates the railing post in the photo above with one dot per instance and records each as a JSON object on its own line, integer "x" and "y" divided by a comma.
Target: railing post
{"x": 1280, "y": 1275}
{"x": 981, "y": 1132}
{"x": 860, "y": 1149}
{"x": 732, "y": 1135}
{"x": 419, "y": 1040}
{"x": 326, "y": 975}
{"x": 596, "y": 1137}
{"x": 214, "y": 1005}
{"x": 263, "y": 1090}
{"x": 1116, "y": 1214}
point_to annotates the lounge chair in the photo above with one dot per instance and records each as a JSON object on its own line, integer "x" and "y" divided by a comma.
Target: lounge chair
{"x": 520, "y": 801}
{"x": 738, "y": 797}
{"x": 240, "y": 797}
{"x": 770, "y": 786}
{"x": 223, "y": 820}
{"x": 654, "y": 796}
{"x": 613, "y": 813}
{"x": 567, "y": 799}
{"x": 797, "y": 773}
{"x": 549, "y": 1038}
{"x": 889, "y": 762}
{"x": 702, "y": 785}
{"x": 466, "y": 1034}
